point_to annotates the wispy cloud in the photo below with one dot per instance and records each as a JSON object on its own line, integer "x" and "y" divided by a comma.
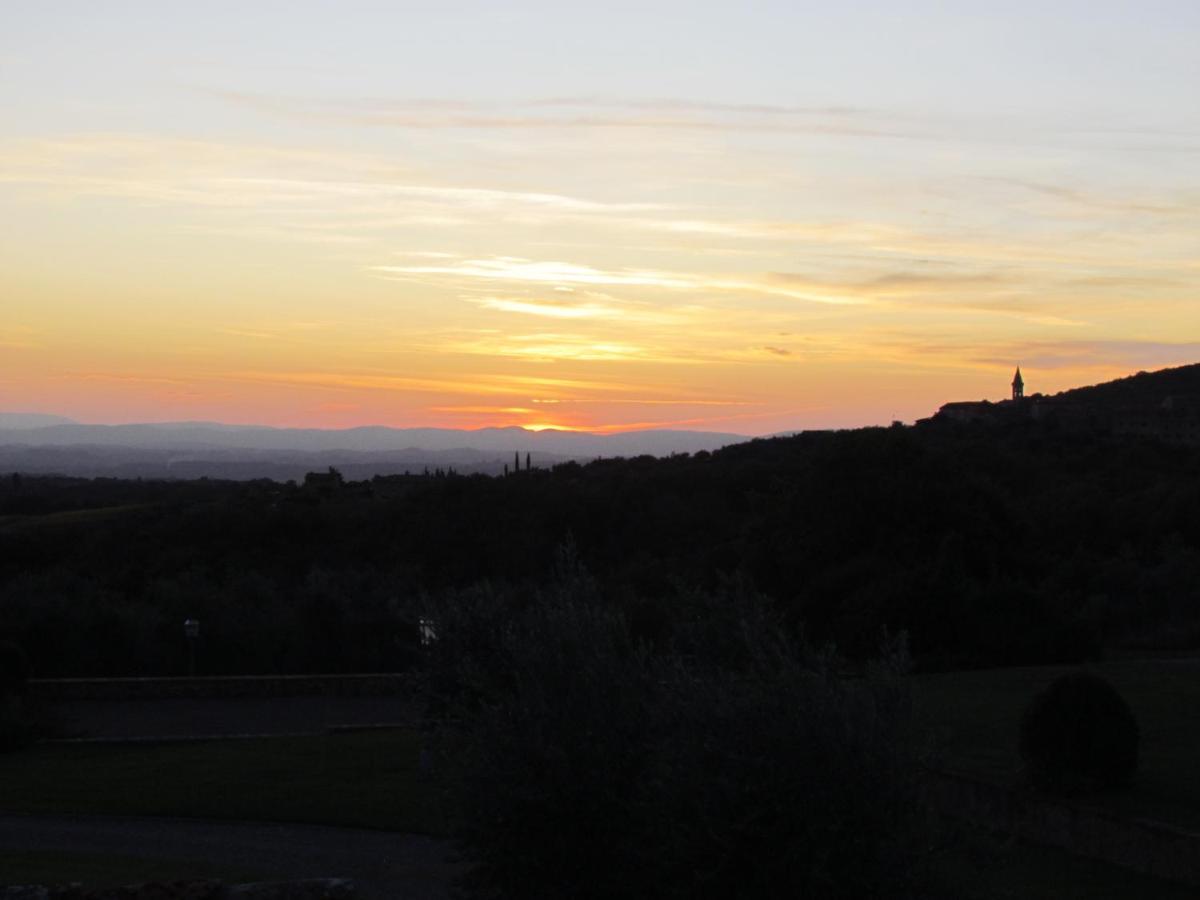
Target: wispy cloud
{"x": 901, "y": 284}
{"x": 218, "y": 174}
{"x": 1081, "y": 355}
{"x": 698, "y": 116}
{"x": 511, "y": 268}
{"x": 549, "y": 309}
{"x": 676, "y": 104}
{"x": 554, "y": 272}
{"x": 468, "y": 197}
{"x": 485, "y": 384}
{"x": 1155, "y": 203}
{"x": 554, "y": 346}
{"x": 486, "y": 410}
{"x": 584, "y": 112}
{"x": 1098, "y": 354}
{"x": 683, "y": 401}
{"x": 361, "y": 203}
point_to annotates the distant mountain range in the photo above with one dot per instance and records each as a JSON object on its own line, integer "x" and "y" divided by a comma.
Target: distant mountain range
{"x": 37, "y": 443}
{"x": 23, "y": 421}
{"x": 1163, "y": 404}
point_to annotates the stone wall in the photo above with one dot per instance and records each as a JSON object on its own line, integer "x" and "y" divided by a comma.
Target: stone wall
{"x": 380, "y": 685}
{"x": 312, "y": 889}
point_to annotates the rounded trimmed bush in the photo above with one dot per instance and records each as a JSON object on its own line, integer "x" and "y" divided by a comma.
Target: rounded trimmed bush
{"x": 1079, "y": 735}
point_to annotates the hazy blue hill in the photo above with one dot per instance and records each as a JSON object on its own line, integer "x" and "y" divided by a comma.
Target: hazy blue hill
{"x": 35, "y": 442}
{"x": 169, "y": 434}
{"x": 21, "y": 421}
{"x": 194, "y": 449}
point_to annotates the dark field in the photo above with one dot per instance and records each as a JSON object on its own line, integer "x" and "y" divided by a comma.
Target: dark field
{"x": 373, "y": 780}
{"x": 368, "y": 780}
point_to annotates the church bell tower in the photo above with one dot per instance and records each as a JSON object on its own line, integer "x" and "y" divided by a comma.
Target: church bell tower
{"x": 1018, "y": 385}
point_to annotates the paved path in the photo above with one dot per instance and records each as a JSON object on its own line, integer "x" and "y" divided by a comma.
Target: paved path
{"x": 385, "y": 865}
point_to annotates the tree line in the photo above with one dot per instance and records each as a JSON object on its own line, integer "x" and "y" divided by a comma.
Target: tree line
{"x": 988, "y": 546}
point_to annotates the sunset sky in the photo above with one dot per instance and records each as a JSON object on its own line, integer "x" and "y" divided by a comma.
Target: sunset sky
{"x": 747, "y": 217}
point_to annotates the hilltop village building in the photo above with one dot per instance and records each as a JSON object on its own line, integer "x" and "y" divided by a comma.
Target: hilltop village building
{"x": 1144, "y": 405}
{"x": 1019, "y": 407}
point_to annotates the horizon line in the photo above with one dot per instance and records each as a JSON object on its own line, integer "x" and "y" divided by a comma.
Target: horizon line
{"x": 596, "y": 431}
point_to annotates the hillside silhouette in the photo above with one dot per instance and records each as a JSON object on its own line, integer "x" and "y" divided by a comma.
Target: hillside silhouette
{"x": 1147, "y": 389}
{"x": 1163, "y": 404}
{"x": 1012, "y": 541}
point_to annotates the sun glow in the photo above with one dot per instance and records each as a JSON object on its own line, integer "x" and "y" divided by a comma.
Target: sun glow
{"x": 549, "y": 426}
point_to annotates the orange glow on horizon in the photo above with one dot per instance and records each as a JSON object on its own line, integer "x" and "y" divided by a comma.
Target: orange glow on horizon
{"x": 549, "y": 426}
{"x": 775, "y": 397}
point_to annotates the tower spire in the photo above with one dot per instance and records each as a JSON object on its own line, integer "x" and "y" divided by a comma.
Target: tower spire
{"x": 1018, "y": 385}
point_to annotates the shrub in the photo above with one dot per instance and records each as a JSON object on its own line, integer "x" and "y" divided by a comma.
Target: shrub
{"x": 580, "y": 764}
{"x": 1079, "y": 735}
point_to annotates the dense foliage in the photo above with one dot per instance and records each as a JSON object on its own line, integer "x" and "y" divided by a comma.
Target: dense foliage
{"x": 989, "y": 545}
{"x": 1079, "y": 735}
{"x": 727, "y": 762}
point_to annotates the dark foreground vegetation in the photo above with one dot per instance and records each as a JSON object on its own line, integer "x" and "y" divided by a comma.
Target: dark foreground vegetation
{"x": 988, "y": 545}
{"x": 375, "y": 780}
{"x": 725, "y": 762}
{"x": 632, "y": 683}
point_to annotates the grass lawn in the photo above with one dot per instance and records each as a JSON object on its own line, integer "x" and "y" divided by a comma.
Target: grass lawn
{"x": 975, "y": 717}
{"x": 985, "y": 868}
{"x": 372, "y": 780}
{"x": 363, "y": 780}
{"x": 70, "y": 517}
{"x": 94, "y": 870}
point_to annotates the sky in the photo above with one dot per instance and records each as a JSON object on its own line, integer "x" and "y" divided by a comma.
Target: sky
{"x": 747, "y": 217}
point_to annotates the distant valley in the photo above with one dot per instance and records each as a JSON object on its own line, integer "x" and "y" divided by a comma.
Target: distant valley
{"x": 42, "y": 444}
